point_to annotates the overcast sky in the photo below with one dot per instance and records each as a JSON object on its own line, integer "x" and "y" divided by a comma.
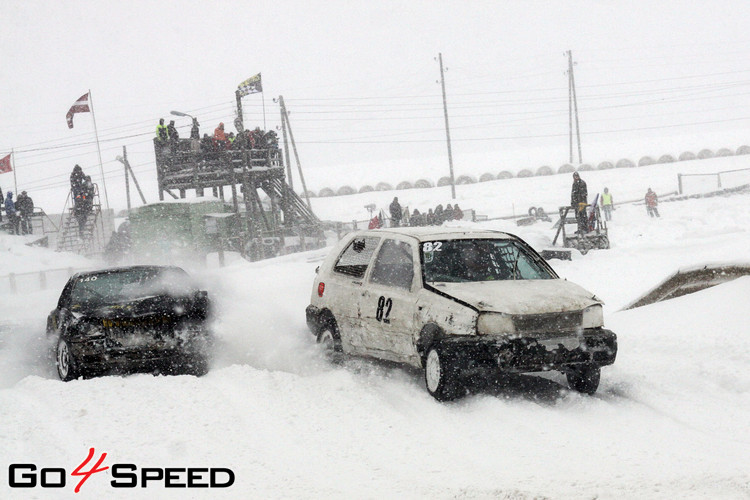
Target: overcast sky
{"x": 360, "y": 80}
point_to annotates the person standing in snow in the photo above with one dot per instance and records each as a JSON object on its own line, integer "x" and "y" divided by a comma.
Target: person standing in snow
{"x": 10, "y": 211}
{"x": 172, "y": 133}
{"x": 578, "y": 200}
{"x": 607, "y": 204}
{"x": 220, "y": 137}
{"x": 651, "y": 202}
{"x": 396, "y": 212}
{"x": 161, "y": 131}
{"x": 25, "y": 208}
{"x": 458, "y": 214}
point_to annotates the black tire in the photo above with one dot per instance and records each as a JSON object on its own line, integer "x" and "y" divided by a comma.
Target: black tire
{"x": 584, "y": 380}
{"x": 328, "y": 337}
{"x": 441, "y": 374}
{"x": 192, "y": 364}
{"x": 68, "y": 368}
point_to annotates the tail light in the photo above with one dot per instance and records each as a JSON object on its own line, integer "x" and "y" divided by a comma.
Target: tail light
{"x": 321, "y": 288}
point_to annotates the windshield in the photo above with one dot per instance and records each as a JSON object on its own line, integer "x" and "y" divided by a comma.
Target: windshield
{"x": 124, "y": 285}
{"x": 456, "y": 261}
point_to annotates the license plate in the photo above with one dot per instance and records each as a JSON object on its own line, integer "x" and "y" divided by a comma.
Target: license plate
{"x": 568, "y": 343}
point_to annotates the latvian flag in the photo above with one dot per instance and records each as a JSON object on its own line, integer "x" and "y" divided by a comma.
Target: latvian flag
{"x": 5, "y": 165}
{"x": 80, "y": 106}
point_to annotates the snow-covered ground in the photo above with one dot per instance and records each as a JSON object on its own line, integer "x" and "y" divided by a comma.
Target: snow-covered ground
{"x": 670, "y": 419}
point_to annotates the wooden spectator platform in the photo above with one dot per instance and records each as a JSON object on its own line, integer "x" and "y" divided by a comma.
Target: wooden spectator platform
{"x": 182, "y": 166}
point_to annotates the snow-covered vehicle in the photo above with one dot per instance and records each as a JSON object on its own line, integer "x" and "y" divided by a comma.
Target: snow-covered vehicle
{"x": 457, "y": 304}
{"x": 130, "y": 318}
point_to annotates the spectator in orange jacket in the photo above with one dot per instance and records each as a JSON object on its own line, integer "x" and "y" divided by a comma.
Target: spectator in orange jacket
{"x": 220, "y": 138}
{"x": 651, "y": 202}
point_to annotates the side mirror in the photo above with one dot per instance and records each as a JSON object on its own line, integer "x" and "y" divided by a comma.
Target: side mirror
{"x": 317, "y": 269}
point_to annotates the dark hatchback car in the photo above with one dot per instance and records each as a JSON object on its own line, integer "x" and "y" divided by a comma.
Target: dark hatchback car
{"x": 132, "y": 318}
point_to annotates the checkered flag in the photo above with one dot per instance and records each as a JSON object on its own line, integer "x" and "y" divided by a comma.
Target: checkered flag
{"x": 252, "y": 85}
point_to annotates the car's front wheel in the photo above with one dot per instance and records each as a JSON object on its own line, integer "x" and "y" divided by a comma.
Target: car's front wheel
{"x": 584, "y": 380}
{"x": 67, "y": 368}
{"x": 441, "y": 375}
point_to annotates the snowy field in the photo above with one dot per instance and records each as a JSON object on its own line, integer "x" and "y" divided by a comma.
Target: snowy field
{"x": 670, "y": 419}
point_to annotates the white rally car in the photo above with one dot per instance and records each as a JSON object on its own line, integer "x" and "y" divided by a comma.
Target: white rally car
{"x": 459, "y": 304}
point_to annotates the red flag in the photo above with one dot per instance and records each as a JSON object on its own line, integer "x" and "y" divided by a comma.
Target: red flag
{"x": 80, "y": 106}
{"x": 5, "y": 165}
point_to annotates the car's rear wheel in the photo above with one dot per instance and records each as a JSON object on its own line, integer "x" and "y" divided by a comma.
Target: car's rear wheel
{"x": 584, "y": 380}
{"x": 67, "y": 368}
{"x": 329, "y": 340}
{"x": 441, "y": 375}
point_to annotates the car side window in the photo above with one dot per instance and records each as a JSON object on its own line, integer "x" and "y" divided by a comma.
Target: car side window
{"x": 394, "y": 265}
{"x": 64, "y": 301}
{"x": 357, "y": 256}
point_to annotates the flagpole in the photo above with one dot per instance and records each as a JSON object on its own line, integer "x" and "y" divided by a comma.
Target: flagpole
{"x": 99, "y": 150}
{"x": 263, "y": 95}
{"x": 13, "y": 165}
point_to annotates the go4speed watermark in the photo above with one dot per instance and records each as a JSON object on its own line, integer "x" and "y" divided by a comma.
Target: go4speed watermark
{"x": 123, "y": 475}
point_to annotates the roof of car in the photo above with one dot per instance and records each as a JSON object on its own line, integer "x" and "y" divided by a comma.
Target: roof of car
{"x": 125, "y": 269}
{"x": 430, "y": 233}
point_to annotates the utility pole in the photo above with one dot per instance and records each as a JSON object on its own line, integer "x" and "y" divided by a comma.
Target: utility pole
{"x": 124, "y": 160}
{"x": 286, "y": 147}
{"x": 285, "y": 117}
{"x": 447, "y": 128}
{"x": 127, "y": 176}
{"x": 573, "y": 107}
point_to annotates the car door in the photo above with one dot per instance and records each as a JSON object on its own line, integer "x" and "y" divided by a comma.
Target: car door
{"x": 390, "y": 300}
{"x": 344, "y": 289}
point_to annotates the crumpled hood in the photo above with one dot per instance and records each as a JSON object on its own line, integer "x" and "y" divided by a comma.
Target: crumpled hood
{"x": 521, "y": 296}
{"x": 143, "y": 306}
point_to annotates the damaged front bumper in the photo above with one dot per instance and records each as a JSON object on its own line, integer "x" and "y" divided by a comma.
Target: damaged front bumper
{"x": 591, "y": 346}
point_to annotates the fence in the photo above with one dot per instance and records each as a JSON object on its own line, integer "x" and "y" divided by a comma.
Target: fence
{"x": 36, "y": 280}
{"x": 712, "y": 181}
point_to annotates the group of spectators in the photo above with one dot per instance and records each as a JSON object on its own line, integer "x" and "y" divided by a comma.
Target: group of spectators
{"x": 579, "y": 202}
{"x": 82, "y": 190}
{"x": 436, "y": 217}
{"x": 402, "y": 217}
{"x": 19, "y": 212}
{"x": 220, "y": 140}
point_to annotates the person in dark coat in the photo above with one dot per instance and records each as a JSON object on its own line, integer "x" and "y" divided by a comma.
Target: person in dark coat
{"x": 458, "y": 214}
{"x": 84, "y": 204}
{"x": 578, "y": 200}
{"x": 438, "y": 215}
{"x": 448, "y": 213}
{"x": 396, "y": 212}
{"x": 195, "y": 130}
{"x": 76, "y": 181}
{"x": 416, "y": 219}
{"x": 10, "y": 211}
{"x": 25, "y": 209}
{"x": 172, "y": 133}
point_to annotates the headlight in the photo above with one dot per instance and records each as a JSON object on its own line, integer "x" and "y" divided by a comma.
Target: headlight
{"x": 494, "y": 323}
{"x": 593, "y": 317}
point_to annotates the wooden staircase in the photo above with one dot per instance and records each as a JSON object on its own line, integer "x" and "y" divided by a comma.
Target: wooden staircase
{"x": 87, "y": 240}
